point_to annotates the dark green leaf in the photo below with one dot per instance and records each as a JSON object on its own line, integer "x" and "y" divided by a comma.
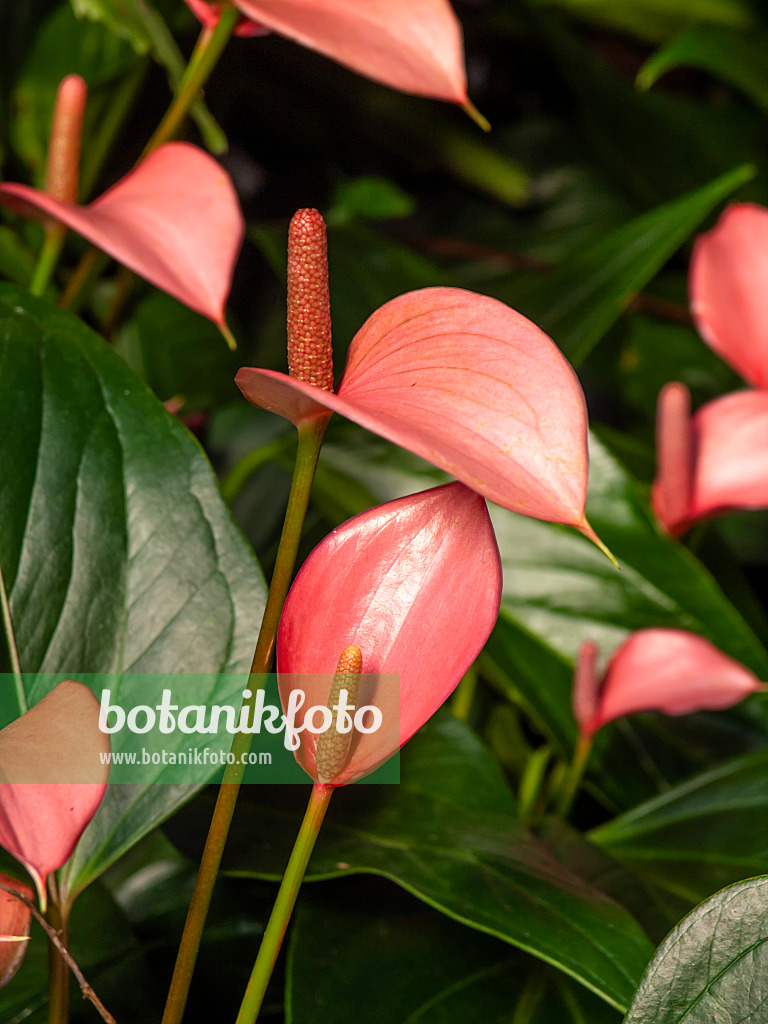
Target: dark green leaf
{"x": 713, "y": 966}
{"x": 448, "y": 835}
{"x": 737, "y": 58}
{"x": 117, "y": 550}
{"x": 700, "y": 835}
{"x": 358, "y": 947}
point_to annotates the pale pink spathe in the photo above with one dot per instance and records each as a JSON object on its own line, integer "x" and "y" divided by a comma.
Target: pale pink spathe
{"x": 729, "y": 290}
{"x": 468, "y": 384}
{"x": 728, "y": 458}
{"x": 411, "y": 45}
{"x": 53, "y": 778}
{"x": 667, "y": 670}
{"x": 416, "y": 585}
{"x": 174, "y": 220}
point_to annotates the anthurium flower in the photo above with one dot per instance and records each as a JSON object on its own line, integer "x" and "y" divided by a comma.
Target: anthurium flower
{"x": 411, "y": 45}
{"x": 468, "y": 384}
{"x": 415, "y": 586}
{"x": 15, "y": 919}
{"x": 174, "y": 219}
{"x": 729, "y": 290}
{"x": 667, "y": 670}
{"x": 53, "y": 779}
{"x": 713, "y": 462}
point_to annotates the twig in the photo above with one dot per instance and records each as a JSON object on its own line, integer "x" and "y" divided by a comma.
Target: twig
{"x": 66, "y": 956}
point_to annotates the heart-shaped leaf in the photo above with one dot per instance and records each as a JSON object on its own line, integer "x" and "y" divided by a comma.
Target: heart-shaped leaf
{"x": 117, "y": 550}
{"x": 712, "y": 966}
{"x": 448, "y": 834}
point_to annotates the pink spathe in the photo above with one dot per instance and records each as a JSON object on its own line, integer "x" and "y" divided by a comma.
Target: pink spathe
{"x": 415, "y": 584}
{"x": 729, "y": 290}
{"x": 53, "y": 779}
{"x": 174, "y": 220}
{"x": 468, "y": 384}
{"x": 667, "y": 670}
{"x": 727, "y": 455}
{"x": 411, "y": 45}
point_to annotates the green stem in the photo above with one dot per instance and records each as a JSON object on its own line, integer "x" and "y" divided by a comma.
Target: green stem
{"x": 58, "y": 971}
{"x": 49, "y": 255}
{"x": 286, "y": 898}
{"x": 574, "y": 775}
{"x": 202, "y": 62}
{"x": 13, "y": 651}
{"x": 310, "y": 440}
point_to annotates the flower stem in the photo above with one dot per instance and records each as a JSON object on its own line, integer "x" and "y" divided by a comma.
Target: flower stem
{"x": 13, "y": 650}
{"x": 310, "y": 440}
{"x": 58, "y": 971}
{"x": 574, "y": 774}
{"x": 286, "y": 898}
{"x": 210, "y": 45}
{"x": 48, "y": 258}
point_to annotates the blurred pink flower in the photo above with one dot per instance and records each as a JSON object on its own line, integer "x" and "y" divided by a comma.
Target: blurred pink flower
{"x": 667, "y": 670}
{"x": 415, "y": 584}
{"x": 729, "y": 290}
{"x": 52, "y": 779}
{"x": 15, "y": 919}
{"x": 713, "y": 462}
{"x": 717, "y": 460}
{"x": 468, "y": 384}
{"x": 411, "y": 45}
{"x": 174, "y": 219}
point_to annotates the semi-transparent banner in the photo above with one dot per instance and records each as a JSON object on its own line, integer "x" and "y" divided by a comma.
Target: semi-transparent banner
{"x": 174, "y": 729}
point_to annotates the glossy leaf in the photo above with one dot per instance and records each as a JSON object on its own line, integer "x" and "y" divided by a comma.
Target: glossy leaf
{"x": 448, "y": 834}
{"x": 52, "y": 779}
{"x": 728, "y": 286}
{"x": 363, "y": 936}
{"x": 174, "y": 220}
{"x": 411, "y": 45}
{"x": 413, "y": 584}
{"x": 705, "y": 832}
{"x": 467, "y": 383}
{"x": 712, "y": 966}
{"x": 109, "y": 510}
